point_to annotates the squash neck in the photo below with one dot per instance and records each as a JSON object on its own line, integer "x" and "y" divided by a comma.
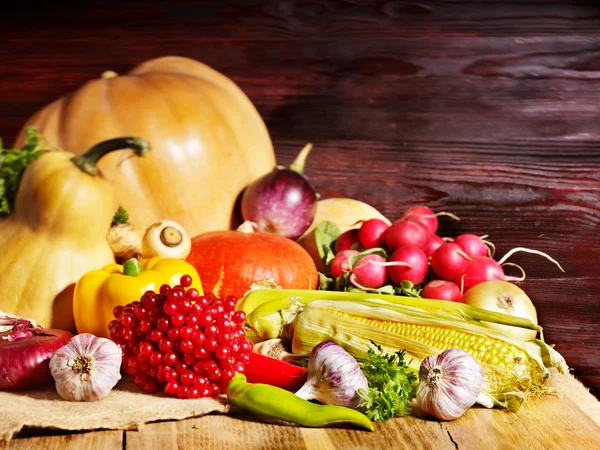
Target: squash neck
{"x": 88, "y": 161}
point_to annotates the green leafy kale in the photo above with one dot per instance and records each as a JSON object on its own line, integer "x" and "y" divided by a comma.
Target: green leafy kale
{"x": 390, "y": 384}
{"x": 120, "y": 217}
{"x": 13, "y": 163}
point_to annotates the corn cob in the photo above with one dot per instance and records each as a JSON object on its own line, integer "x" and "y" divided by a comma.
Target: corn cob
{"x": 421, "y": 328}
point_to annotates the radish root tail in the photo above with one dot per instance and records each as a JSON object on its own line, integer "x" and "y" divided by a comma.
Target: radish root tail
{"x": 521, "y": 278}
{"x": 491, "y": 247}
{"x": 464, "y": 255}
{"x": 529, "y": 250}
{"x": 352, "y": 280}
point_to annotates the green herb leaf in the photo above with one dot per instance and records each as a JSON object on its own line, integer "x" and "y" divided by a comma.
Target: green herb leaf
{"x": 390, "y": 384}
{"x": 326, "y": 283}
{"x": 13, "y": 163}
{"x": 120, "y": 217}
{"x": 325, "y": 235}
{"x": 408, "y": 289}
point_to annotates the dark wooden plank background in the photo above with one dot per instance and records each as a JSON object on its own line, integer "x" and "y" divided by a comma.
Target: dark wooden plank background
{"x": 488, "y": 109}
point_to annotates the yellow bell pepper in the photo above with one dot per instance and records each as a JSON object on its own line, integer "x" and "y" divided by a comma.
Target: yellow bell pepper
{"x": 98, "y": 292}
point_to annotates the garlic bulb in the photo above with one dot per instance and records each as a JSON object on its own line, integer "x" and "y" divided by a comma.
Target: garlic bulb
{"x": 87, "y": 368}
{"x": 334, "y": 377}
{"x": 449, "y": 384}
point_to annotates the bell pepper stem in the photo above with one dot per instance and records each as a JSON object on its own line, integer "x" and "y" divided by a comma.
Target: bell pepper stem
{"x": 132, "y": 268}
{"x": 88, "y": 161}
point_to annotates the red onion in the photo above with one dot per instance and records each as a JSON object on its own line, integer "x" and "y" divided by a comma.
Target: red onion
{"x": 25, "y": 352}
{"x": 282, "y": 202}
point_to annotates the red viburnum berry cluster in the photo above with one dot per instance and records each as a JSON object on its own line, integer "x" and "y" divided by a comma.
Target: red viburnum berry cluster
{"x": 178, "y": 341}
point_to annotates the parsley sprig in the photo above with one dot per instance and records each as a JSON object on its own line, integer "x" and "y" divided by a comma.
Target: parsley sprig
{"x": 13, "y": 163}
{"x": 390, "y": 384}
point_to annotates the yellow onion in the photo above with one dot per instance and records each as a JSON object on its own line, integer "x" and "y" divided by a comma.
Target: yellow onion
{"x": 507, "y": 298}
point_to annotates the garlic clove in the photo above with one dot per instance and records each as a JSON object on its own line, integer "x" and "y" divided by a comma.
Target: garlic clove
{"x": 449, "y": 384}
{"x": 86, "y": 368}
{"x": 334, "y": 377}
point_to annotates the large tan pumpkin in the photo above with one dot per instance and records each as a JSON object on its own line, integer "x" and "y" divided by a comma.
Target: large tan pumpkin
{"x": 208, "y": 141}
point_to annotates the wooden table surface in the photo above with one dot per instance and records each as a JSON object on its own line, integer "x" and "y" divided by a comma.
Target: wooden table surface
{"x": 487, "y": 109}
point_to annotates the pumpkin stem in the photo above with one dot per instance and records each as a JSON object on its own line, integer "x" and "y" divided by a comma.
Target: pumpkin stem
{"x": 298, "y": 164}
{"x": 87, "y": 162}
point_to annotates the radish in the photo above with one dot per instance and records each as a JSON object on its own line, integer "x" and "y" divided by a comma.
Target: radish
{"x": 433, "y": 244}
{"x": 348, "y": 240}
{"x": 484, "y": 268}
{"x": 340, "y": 264}
{"x": 449, "y": 261}
{"x": 372, "y": 233}
{"x": 408, "y": 263}
{"x": 475, "y": 246}
{"x": 369, "y": 272}
{"x": 442, "y": 290}
{"x": 406, "y": 233}
{"x": 426, "y": 217}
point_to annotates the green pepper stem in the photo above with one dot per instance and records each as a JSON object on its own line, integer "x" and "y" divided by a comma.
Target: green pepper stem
{"x": 298, "y": 164}
{"x": 88, "y": 161}
{"x": 132, "y": 268}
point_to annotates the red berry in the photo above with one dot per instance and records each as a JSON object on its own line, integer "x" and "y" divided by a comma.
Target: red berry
{"x": 163, "y": 323}
{"x": 193, "y": 393}
{"x": 211, "y": 344}
{"x": 203, "y": 301}
{"x": 184, "y": 305}
{"x": 211, "y": 331}
{"x": 200, "y": 382}
{"x": 239, "y": 317}
{"x": 173, "y": 334}
{"x": 201, "y": 354}
{"x": 144, "y": 327}
{"x": 244, "y": 358}
{"x": 186, "y": 281}
{"x": 170, "y": 308}
{"x": 170, "y": 358}
{"x": 187, "y": 378}
{"x": 156, "y": 358}
{"x": 117, "y": 311}
{"x": 156, "y": 335}
{"x": 196, "y": 309}
{"x": 191, "y": 320}
{"x": 214, "y": 374}
{"x": 177, "y": 319}
{"x": 187, "y": 346}
{"x": 239, "y": 367}
{"x": 171, "y": 387}
{"x": 146, "y": 348}
{"x": 205, "y": 319}
{"x": 165, "y": 345}
{"x": 182, "y": 392}
{"x": 189, "y": 359}
{"x": 186, "y": 332}
{"x": 222, "y": 352}
{"x": 230, "y": 303}
{"x": 164, "y": 288}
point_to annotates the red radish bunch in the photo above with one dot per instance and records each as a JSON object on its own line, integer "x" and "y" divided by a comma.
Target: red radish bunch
{"x": 412, "y": 243}
{"x": 182, "y": 343}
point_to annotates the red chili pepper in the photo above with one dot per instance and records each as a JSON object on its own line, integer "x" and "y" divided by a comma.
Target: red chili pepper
{"x": 267, "y": 370}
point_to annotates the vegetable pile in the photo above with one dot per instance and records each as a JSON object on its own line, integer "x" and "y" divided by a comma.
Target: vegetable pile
{"x": 317, "y": 312}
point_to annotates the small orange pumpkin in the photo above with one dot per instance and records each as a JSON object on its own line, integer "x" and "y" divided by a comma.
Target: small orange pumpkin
{"x": 230, "y": 261}
{"x": 208, "y": 141}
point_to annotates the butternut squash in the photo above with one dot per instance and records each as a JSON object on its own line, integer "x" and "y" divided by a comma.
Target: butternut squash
{"x": 57, "y": 232}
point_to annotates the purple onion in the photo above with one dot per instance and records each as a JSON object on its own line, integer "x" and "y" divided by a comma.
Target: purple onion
{"x": 282, "y": 202}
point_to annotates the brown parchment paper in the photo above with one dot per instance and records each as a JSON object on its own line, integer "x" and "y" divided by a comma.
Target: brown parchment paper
{"x": 125, "y": 408}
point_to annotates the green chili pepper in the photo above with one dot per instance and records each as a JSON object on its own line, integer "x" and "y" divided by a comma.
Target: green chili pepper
{"x": 276, "y": 403}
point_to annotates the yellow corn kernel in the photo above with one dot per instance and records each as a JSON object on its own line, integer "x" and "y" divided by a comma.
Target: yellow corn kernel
{"x": 485, "y": 349}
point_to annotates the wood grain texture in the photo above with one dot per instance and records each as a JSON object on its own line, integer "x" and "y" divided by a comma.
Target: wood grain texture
{"x": 546, "y": 423}
{"x": 97, "y": 440}
{"x": 487, "y": 109}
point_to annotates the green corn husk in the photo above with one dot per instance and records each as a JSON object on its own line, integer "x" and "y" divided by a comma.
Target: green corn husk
{"x": 343, "y": 317}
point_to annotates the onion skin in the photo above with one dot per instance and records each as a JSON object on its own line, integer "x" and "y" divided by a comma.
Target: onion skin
{"x": 24, "y": 362}
{"x": 502, "y": 296}
{"x": 282, "y": 202}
